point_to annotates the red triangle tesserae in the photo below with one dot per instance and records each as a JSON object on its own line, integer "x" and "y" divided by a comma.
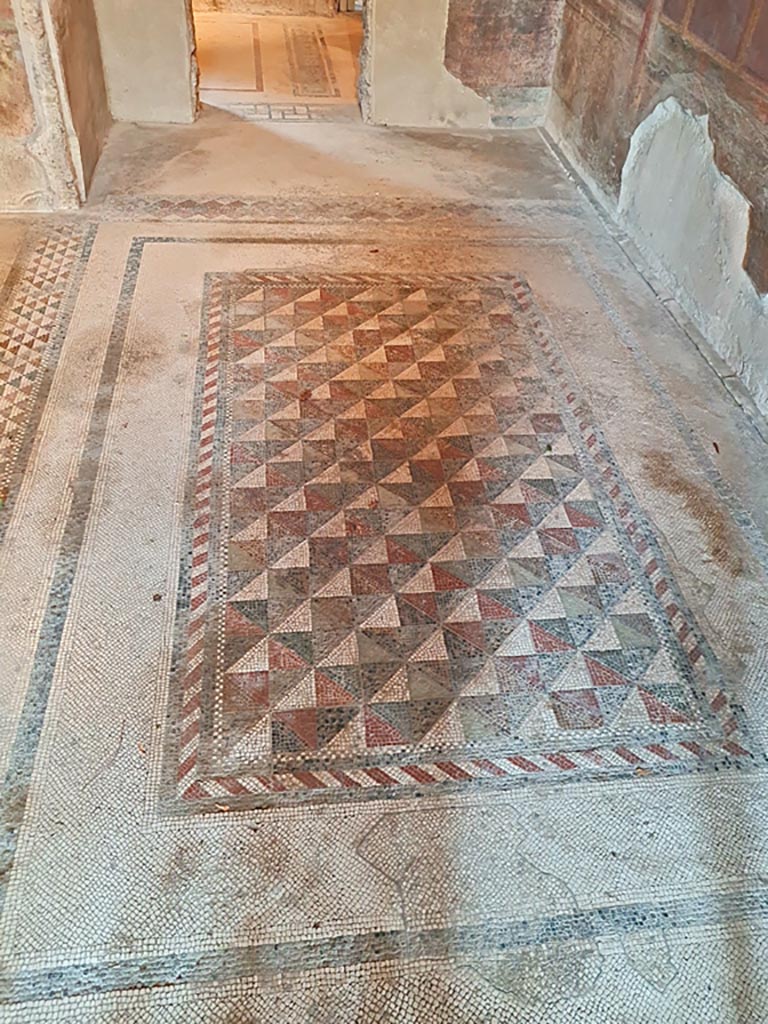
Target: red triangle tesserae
{"x": 446, "y": 581}
{"x": 303, "y": 723}
{"x": 547, "y": 642}
{"x": 329, "y": 693}
{"x": 281, "y": 657}
{"x": 379, "y": 733}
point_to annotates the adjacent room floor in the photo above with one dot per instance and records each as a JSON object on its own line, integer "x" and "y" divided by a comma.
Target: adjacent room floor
{"x": 382, "y": 599}
{"x": 279, "y": 68}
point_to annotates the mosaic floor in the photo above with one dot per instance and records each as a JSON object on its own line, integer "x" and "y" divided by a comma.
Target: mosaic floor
{"x": 432, "y": 574}
{"x": 383, "y": 615}
{"x": 272, "y": 68}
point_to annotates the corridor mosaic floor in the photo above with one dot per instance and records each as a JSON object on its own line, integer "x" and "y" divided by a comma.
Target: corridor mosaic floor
{"x": 377, "y": 644}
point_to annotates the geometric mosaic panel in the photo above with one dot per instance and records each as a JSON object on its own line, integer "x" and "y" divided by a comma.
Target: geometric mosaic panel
{"x": 411, "y": 561}
{"x": 35, "y": 314}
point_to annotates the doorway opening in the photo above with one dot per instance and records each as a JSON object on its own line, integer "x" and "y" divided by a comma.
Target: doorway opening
{"x": 280, "y": 60}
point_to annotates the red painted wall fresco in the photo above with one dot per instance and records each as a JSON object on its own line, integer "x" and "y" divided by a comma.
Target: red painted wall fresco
{"x": 734, "y": 30}
{"x": 16, "y": 113}
{"x": 496, "y": 45}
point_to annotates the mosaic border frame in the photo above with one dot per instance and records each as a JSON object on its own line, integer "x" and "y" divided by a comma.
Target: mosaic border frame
{"x": 198, "y": 790}
{"x": 468, "y": 944}
{"x": 126, "y": 974}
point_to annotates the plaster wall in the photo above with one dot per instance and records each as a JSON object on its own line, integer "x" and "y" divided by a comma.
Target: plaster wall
{"x": 692, "y": 224}
{"x": 82, "y": 74}
{"x": 53, "y": 115}
{"x": 505, "y": 51}
{"x": 148, "y": 53}
{"x": 663, "y": 107}
{"x": 408, "y": 81}
{"x": 22, "y": 179}
{"x": 461, "y": 63}
{"x": 16, "y": 111}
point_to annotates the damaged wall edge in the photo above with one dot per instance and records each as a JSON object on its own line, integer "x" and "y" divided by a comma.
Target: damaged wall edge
{"x": 672, "y": 143}
{"x": 459, "y": 63}
{"x": 409, "y": 85}
{"x": 691, "y": 223}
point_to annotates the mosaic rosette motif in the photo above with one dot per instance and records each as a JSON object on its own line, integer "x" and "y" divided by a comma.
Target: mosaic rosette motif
{"x": 411, "y": 561}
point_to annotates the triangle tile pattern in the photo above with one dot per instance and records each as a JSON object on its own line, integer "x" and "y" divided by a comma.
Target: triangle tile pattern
{"x": 29, "y": 318}
{"x": 415, "y": 557}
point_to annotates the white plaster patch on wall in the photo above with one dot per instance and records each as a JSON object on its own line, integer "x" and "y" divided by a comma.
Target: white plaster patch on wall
{"x": 410, "y": 85}
{"x": 691, "y": 224}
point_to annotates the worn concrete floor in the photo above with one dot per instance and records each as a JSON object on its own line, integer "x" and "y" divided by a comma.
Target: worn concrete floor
{"x": 382, "y": 600}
